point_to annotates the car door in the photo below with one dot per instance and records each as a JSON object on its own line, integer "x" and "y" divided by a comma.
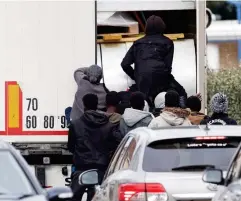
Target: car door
{"x": 118, "y": 176}
{"x": 121, "y": 159}
{"x": 101, "y": 190}
{"x": 233, "y": 174}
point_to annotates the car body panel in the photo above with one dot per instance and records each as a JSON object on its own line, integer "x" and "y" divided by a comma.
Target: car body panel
{"x": 32, "y": 198}
{"x": 41, "y": 194}
{"x": 176, "y": 184}
{"x": 180, "y": 185}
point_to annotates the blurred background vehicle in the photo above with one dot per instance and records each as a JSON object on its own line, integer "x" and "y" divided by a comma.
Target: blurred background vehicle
{"x": 229, "y": 182}
{"x": 18, "y": 183}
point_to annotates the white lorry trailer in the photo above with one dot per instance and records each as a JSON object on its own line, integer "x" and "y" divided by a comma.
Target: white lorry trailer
{"x": 42, "y": 43}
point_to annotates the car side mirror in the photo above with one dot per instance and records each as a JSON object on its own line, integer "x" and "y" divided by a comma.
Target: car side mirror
{"x": 213, "y": 176}
{"x": 89, "y": 177}
{"x": 59, "y": 194}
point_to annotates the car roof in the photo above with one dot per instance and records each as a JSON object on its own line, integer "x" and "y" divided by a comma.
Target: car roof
{"x": 186, "y": 132}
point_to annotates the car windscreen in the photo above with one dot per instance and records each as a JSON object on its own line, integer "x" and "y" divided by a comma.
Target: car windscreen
{"x": 13, "y": 180}
{"x": 189, "y": 154}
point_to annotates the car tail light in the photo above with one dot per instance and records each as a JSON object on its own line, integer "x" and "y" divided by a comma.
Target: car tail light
{"x": 142, "y": 192}
{"x": 210, "y": 138}
{"x": 47, "y": 186}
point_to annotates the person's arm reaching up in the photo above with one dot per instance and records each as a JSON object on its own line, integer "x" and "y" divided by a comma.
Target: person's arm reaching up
{"x": 79, "y": 74}
{"x": 127, "y": 62}
{"x": 169, "y": 58}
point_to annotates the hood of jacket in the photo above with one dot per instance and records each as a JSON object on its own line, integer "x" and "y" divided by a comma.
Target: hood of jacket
{"x": 174, "y": 116}
{"x": 196, "y": 117}
{"x": 154, "y": 25}
{"x": 94, "y": 74}
{"x": 114, "y": 118}
{"x": 95, "y": 119}
{"x": 132, "y": 116}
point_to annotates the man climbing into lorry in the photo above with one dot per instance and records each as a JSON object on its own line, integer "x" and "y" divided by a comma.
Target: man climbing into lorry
{"x": 152, "y": 57}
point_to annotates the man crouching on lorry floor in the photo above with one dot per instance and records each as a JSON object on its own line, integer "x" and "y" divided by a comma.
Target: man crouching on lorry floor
{"x": 88, "y": 81}
{"x": 89, "y": 140}
{"x": 152, "y": 56}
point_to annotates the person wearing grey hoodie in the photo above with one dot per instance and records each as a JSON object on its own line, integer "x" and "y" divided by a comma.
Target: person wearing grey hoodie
{"x": 135, "y": 117}
{"x": 88, "y": 81}
{"x": 172, "y": 114}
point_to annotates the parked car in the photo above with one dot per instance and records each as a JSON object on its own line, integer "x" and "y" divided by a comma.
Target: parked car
{"x": 17, "y": 182}
{"x": 165, "y": 164}
{"x": 229, "y": 182}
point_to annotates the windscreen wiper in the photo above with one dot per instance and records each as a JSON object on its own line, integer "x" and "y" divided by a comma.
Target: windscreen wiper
{"x": 24, "y": 196}
{"x": 18, "y": 197}
{"x": 193, "y": 167}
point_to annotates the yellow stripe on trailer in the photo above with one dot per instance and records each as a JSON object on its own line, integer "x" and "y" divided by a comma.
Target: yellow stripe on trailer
{"x": 13, "y": 106}
{"x": 118, "y": 38}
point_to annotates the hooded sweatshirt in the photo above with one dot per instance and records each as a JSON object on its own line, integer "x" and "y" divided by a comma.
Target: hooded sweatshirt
{"x": 133, "y": 118}
{"x": 88, "y": 81}
{"x": 114, "y": 118}
{"x": 171, "y": 117}
{"x": 91, "y": 140}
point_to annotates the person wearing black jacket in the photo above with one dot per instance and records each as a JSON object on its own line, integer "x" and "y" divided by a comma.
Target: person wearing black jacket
{"x": 91, "y": 139}
{"x": 152, "y": 57}
{"x": 219, "y": 107}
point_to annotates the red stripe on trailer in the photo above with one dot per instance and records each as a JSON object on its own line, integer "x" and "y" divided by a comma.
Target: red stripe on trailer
{"x": 34, "y": 133}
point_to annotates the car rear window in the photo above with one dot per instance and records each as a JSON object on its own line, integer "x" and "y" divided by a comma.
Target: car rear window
{"x": 166, "y": 155}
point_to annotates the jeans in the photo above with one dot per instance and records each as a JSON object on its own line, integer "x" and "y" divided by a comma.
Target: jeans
{"x": 153, "y": 84}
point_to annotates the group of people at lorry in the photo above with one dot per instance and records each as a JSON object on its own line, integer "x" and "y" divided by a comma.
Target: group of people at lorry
{"x": 101, "y": 118}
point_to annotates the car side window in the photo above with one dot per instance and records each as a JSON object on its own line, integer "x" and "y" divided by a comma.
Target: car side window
{"x": 115, "y": 158}
{"x": 234, "y": 171}
{"x": 126, "y": 160}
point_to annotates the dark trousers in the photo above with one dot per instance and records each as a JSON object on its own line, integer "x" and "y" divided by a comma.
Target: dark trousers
{"x": 153, "y": 84}
{"x": 79, "y": 190}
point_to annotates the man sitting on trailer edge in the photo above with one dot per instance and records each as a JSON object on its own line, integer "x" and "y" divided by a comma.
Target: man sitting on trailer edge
{"x": 152, "y": 57}
{"x": 91, "y": 140}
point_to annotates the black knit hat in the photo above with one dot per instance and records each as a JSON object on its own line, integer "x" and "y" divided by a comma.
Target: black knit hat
{"x": 155, "y": 25}
{"x": 172, "y": 99}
